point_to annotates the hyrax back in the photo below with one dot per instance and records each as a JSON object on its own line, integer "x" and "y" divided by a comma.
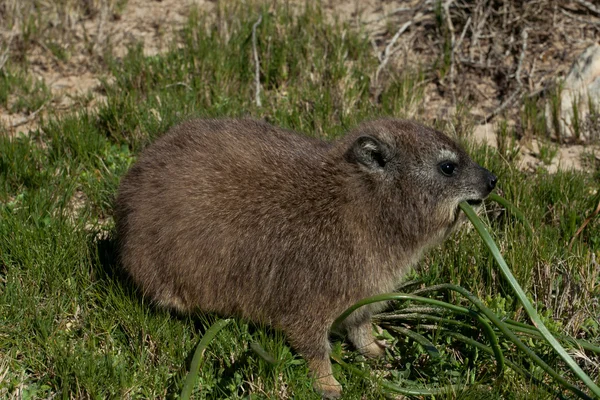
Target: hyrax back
{"x": 242, "y": 218}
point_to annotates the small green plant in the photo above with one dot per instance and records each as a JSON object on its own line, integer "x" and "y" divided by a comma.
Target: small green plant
{"x": 20, "y": 92}
{"x": 507, "y": 142}
{"x": 592, "y": 123}
{"x": 575, "y": 122}
{"x": 59, "y": 51}
{"x": 548, "y": 152}
{"x": 533, "y": 119}
{"x": 555, "y": 109}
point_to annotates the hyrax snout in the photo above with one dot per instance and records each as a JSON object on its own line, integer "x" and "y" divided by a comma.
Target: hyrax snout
{"x": 239, "y": 217}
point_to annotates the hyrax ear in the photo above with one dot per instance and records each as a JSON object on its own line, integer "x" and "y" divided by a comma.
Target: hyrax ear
{"x": 370, "y": 152}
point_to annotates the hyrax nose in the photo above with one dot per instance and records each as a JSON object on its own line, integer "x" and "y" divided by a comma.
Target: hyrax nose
{"x": 491, "y": 181}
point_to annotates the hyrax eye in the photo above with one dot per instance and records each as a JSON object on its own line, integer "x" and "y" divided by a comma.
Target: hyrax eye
{"x": 448, "y": 168}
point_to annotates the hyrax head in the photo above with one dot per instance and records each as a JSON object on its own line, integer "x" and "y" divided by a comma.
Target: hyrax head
{"x": 421, "y": 174}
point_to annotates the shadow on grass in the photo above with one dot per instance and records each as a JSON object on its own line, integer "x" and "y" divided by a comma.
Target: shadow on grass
{"x": 106, "y": 267}
{"x": 106, "y": 262}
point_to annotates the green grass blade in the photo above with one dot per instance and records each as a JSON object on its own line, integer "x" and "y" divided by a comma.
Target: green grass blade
{"x": 506, "y": 331}
{"x": 422, "y": 340}
{"x": 530, "y": 330}
{"x": 392, "y": 387}
{"x": 262, "y": 353}
{"x": 531, "y": 311}
{"x": 192, "y": 376}
{"x": 510, "y": 364}
{"x": 458, "y": 309}
{"x": 513, "y": 210}
{"x": 418, "y": 317}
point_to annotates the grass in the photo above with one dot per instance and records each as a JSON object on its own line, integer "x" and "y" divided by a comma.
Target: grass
{"x": 19, "y": 92}
{"x": 71, "y": 325}
{"x": 53, "y": 26}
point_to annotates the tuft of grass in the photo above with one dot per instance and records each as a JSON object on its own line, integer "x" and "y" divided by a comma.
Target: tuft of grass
{"x": 19, "y": 92}
{"x": 533, "y": 119}
{"x": 506, "y": 141}
{"x": 72, "y": 326}
{"x": 51, "y": 26}
{"x": 555, "y": 109}
{"x": 548, "y": 152}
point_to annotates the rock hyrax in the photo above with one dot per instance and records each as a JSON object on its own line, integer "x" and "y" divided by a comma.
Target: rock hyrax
{"x": 239, "y": 217}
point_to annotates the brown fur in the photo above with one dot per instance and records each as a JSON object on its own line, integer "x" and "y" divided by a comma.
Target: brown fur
{"x": 242, "y": 218}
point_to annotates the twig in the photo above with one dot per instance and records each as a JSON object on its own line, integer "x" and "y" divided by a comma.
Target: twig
{"x": 576, "y": 18}
{"x": 582, "y": 227}
{"x": 521, "y": 57}
{"x": 101, "y": 22}
{"x": 5, "y": 54}
{"x": 531, "y": 72}
{"x": 375, "y": 49}
{"x": 50, "y": 52}
{"x": 424, "y": 5}
{"x": 4, "y": 58}
{"x": 447, "y": 5}
{"x": 178, "y": 84}
{"x": 589, "y": 6}
{"x": 28, "y": 118}
{"x": 476, "y": 30}
{"x": 502, "y": 106}
{"x": 394, "y": 11}
{"x": 519, "y": 89}
{"x": 462, "y": 35}
{"x": 388, "y": 52}
{"x": 256, "y": 61}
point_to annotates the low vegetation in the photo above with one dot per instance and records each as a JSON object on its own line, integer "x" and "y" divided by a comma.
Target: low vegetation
{"x": 72, "y": 325}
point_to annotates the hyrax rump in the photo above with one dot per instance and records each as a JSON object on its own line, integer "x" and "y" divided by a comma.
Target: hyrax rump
{"x": 239, "y": 217}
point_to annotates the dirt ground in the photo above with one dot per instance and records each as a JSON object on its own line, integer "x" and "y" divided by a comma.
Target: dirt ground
{"x": 499, "y": 53}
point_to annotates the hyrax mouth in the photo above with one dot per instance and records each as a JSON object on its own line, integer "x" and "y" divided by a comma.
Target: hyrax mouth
{"x": 458, "y": 212}
{"x": 475, "y": 202}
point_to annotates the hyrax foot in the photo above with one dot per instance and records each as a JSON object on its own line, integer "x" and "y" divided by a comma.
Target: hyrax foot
{"x": 373, "y": 350}
{"x": 364, "y": 341}
{"x": 324, "y": 383}
{"x": 328, "y": 386}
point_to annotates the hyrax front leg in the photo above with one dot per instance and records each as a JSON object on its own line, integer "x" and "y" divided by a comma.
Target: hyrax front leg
{"x": 315, "y": 349}
{"x": 324, "y": 383}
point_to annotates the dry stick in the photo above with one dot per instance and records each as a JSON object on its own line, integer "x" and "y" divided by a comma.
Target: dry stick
{"x": 531, "y": 72}
{"x": 447, "y": 5}
{"x": 589, "y": 6}
{"x": 100, "y": 31}
{"x": 388, "y": 49}
{"x": 4, "y": 57}
{"x": 476, "y": 31}
{"x": 43, "y": 46}
{"x": 522, "y": 56}
{"x": 582, "y": 227}
{"x": 401, "y": 10}
{"x": 395, "y": 11}
{"x": 376, "y": 50}
{"x": 256, "y": 61}
{"x": 28, "y": 118}
{"x": 576, "y": 18}
{"x": 464, "y": 31}
{"x": 179, "y": 84}
{"x": 517, "y": 92}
